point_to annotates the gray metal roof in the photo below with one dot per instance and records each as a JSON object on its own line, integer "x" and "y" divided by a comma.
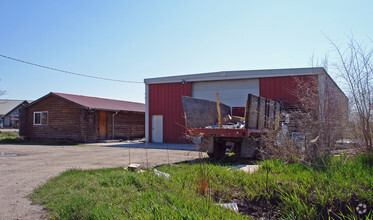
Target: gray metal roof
{"x": 240, "y": 74}
{"x": 6, "y": 105}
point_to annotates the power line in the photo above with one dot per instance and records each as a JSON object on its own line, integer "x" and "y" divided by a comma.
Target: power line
{"x": 68, "y": 72}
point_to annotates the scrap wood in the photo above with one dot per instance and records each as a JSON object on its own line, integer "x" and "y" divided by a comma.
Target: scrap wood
{"x": 218, "y": 109}
{"x": 233, "y": 119}
{"x": 236, "y": 119}
{"x": 135, "y": 167}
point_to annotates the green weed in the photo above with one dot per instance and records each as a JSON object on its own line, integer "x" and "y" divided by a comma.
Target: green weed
{"x": 330, "y": 189}
{"x": 8, "y": 136}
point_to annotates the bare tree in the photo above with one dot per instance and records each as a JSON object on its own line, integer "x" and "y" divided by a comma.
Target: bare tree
{"x": 324, "y": 121}
{"x": 355, "y": 66}
{"x": 315, "y": 122}
{"x": 2, "y": 92}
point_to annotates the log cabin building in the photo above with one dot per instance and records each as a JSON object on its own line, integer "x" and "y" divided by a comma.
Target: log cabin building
{"x": 60, "y": 116}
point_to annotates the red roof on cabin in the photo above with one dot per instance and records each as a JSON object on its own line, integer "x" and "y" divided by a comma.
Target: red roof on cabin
{"x": 102, "y": 103}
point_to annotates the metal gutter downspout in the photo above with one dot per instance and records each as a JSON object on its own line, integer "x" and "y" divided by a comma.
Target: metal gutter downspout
{"x": 113, "y": 123}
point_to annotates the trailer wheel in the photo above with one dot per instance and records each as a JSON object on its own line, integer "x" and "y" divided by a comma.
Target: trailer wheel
{"x": 219, "y": 149}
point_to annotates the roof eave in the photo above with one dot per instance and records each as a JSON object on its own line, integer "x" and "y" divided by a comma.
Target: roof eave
{"x": 83, "y": 106}
{"x": 116, "y": 110}
{"x": 22, "y": 103}
{"x": 39, "y": 99}
{"x": 232, "y": 75}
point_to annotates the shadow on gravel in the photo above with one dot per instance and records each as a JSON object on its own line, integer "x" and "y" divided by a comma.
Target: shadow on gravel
{"x": 187, "y": 147}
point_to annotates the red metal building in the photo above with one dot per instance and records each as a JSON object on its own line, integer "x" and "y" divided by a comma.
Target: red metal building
{"x": 164, "y": 121}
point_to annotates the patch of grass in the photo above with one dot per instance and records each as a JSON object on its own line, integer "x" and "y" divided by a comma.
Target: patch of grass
{"x": 39, "y": 142}
{"x": 277, "y": 190}
{"x": 117, "y": 193}
{"x": 12, "y": 137}
{"x": 47, "y": 142}
{"x": 9, "y": 135}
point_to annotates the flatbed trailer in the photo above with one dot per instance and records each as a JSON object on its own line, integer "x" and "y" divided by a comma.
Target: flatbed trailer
{"x": 222, "y": 132}
{"x": 262, "y": 116}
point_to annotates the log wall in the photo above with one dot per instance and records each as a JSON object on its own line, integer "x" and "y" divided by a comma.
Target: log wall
{"x": 63, "y": 120}
{"x": 126, "y": 125}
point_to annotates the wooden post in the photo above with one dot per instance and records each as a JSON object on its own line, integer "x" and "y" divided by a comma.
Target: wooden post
{"x": 245, "y": 110}
{"x": 258, "y": 113}
{"x": 186, "y": 120}
{"x": 218, "y": 107}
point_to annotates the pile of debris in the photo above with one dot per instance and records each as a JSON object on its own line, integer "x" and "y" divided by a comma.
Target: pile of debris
{"x": 137, "y": 168}
{"x": 258, "y": 113}
{"x": 230, "y": 122}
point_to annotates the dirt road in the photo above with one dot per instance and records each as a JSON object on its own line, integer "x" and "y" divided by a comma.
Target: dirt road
{"x": 24, "y": 167}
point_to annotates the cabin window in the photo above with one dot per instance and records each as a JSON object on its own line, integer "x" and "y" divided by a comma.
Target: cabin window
{"x": 40, "y": 118}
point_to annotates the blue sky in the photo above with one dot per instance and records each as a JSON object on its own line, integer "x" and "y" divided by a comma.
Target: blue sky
{"x": 133, "y": 40}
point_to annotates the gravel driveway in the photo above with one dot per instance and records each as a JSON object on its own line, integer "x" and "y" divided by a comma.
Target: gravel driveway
{"x": 24, "y": 167}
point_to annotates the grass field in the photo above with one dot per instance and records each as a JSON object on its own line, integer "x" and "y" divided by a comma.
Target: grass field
{"x": 277, "y": 190}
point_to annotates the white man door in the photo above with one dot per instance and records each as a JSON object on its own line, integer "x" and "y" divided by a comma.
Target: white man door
{"x": 157, "y": 128}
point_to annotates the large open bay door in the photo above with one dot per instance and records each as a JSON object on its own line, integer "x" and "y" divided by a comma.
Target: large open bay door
{"x": 157, "y": 128}
{"x": 231, "y": 92}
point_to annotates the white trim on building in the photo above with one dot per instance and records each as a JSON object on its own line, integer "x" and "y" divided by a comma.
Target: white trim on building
{"x": 241, "y": 74}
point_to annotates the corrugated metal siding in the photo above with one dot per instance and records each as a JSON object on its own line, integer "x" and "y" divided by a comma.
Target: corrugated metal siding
{"x": 165, "y": 99}
{"x": 238, "y": 111}
{"x": 284, "y": 88}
